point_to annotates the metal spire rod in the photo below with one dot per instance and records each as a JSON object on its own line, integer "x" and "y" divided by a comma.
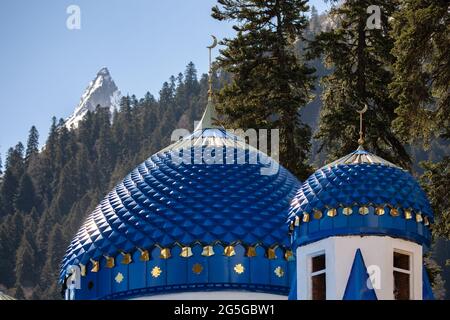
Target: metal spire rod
{"x": 361, "y": 132}
{"x": 213, "y": 45}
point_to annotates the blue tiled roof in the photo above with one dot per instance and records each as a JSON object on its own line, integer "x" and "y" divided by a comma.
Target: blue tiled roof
{"x": 356, "y": 195}
{"x": 163, "y": 203}
{"x": 357, "y": 284}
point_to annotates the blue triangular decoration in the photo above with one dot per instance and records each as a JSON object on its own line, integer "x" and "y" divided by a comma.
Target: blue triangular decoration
{"x": 427, "y": 292}
{"x": 293, "y": 291}
{"x": 357, "y": 282}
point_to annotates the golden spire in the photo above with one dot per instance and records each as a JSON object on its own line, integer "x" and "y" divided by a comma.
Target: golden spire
{"x": 212, "y": 46}
{"x": 361, "y": 132}
{"x": 210, "y": 115}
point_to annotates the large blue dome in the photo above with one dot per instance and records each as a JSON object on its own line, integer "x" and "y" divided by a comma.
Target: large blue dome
{"x": 172, "y": 226}
{"x": 360, "y": 194}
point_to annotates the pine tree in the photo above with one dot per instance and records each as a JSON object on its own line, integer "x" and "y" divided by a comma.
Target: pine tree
{"x": 269, "y": 82}
{"x": 11, "y": 231}
{"x": 359, "y": 58}
{"x": 86, "y": 130}
{"x": 421, "y": 83}
{"x": 44, "y": 169}
{"x": 191, "y": 86}
{"x": 314, "y": 22}
{"x": 124, "y": 130}
{"x": 50, "y": 145}
{"x": 32, "y": 144}
{"x": 46, "y": 221}
{"x": 64, "y": 145}
{"x": 166, "y": 94}
{"x": 6, "y": 253}
{"x": 66, "y": 191}
{"x": 13, "y": 173}
{"x": 422, "y": 87}
{"x": 25, "y": 199}
{"x": 435, "y": 181}
{"x": 7, "y": 192}
{"x": 105, "y": 151}
{"x": 25, "y": 263}
{"x": 56, "y": 249}
{"x": 148, "y": 122}
{"x": 167, "y": 101}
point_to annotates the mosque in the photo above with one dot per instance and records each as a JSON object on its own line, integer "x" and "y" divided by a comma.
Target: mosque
{"x": 357, "y": 229}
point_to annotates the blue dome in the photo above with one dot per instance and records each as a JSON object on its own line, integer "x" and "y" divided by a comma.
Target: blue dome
{"x": 173, "y": 225}
{"x": 360, "y": 194}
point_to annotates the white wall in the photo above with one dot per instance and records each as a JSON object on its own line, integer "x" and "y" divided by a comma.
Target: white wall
{"x": 215, "y": 295}
{"x": 340, "y": 252}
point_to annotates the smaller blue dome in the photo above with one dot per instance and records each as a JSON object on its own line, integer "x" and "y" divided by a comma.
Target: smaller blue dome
{"x": 360, "y": 194}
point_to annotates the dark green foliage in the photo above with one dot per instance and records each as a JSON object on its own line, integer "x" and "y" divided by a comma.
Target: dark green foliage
{"x": 7, "y": 258}
{"x": 56, "y": 247}
{"x": 421, "y": 30}
{"x": 10, "y": 182}
{"x": 436, "y": 182}
{"x": 26, "y": 262}
{"x": 270, "y": 83}
{"x": 421, "y": 84}
{"x": 359, "y": 58}
{"x": 32, "y": 144}
{"x": 25, "y": 199}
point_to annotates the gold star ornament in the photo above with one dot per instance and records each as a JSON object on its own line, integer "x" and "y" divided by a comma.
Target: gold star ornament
{"x": 119, "y": 277}
{"x": 197, "y": 268}
{"x": 239, "y": 268}
{"x": 156, "y": 272}
{"x": 279, "y": 272}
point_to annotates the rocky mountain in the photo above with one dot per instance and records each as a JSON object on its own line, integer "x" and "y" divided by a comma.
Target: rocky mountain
{"x": 100, "y": 91}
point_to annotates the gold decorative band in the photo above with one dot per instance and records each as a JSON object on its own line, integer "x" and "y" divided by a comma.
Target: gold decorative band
{"x": 379, "y": 210}
{"x": 198, "y": 268}
{"x": 250, "y": 251}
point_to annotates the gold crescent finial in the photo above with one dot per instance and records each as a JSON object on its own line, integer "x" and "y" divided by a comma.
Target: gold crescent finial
{"x": 361, "y": 133}
{"x": 212, "y": 46}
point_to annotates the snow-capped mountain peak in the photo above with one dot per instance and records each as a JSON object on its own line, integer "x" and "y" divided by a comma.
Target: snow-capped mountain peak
{"x": 100, "y": 91}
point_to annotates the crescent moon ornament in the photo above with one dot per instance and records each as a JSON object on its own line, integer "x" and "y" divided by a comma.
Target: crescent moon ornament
{"x": 210, "y": 90}
{"x": 364, "y": 110}
{"x": 214, "y": 44}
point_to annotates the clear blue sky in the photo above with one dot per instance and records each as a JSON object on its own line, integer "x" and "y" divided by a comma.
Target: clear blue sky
{"x": 44, "y": 67}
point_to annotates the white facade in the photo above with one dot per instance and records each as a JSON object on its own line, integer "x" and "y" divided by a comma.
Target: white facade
{"x": 377, "y": 252}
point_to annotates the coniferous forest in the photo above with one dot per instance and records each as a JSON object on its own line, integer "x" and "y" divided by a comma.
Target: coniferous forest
{"x": 279, "y": 71}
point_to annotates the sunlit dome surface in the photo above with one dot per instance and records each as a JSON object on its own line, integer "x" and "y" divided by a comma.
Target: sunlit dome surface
{"x": 5, "y": 296}
{"x": 229, "y": 218}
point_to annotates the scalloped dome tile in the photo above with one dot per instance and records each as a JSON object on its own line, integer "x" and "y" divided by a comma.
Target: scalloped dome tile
{"x": 163, "y": 202}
